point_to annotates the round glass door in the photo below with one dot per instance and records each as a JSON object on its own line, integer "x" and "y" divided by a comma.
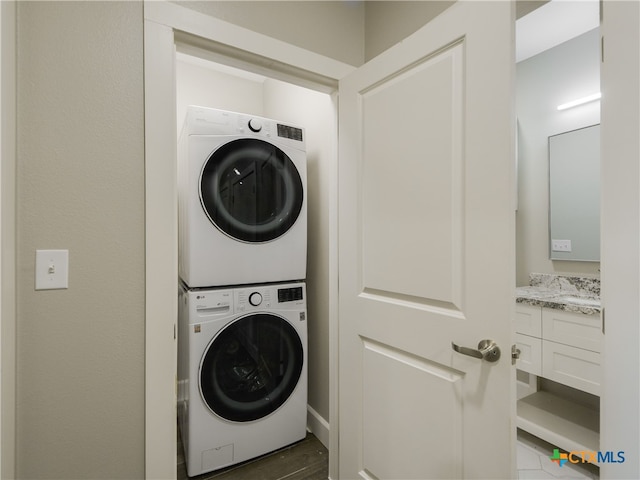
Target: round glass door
{"x": 251, "y": 190}
{"x": 251, "y": 367}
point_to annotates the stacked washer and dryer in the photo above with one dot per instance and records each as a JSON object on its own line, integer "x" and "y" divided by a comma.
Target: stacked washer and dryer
{"x": 242, "y": 343}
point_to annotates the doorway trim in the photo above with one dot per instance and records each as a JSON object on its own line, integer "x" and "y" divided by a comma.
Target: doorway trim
{"x": 165, "y": 25}
{"x": 620, "y": 234}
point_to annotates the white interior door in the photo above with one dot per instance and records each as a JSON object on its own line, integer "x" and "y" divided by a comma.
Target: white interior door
{"x": 426, "y": 239}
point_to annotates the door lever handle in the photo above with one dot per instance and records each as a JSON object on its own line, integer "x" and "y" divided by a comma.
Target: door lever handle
{"x": 487, "y": 350}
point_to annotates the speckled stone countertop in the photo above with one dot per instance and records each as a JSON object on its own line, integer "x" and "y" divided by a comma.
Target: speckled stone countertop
{"x": 573, "y": 294}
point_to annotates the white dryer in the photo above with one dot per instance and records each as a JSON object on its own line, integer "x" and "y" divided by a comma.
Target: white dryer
{"x": 242, "y": 372}
{"x": 242, "y": 199}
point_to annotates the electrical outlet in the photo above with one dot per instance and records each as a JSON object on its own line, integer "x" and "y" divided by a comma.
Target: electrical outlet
{"x": 52, "y": 269}
{"x": 561, "y": 245}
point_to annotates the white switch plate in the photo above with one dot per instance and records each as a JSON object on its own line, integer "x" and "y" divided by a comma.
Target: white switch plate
{"x": 52, "y": 269}
{"x": 561, "y": 245}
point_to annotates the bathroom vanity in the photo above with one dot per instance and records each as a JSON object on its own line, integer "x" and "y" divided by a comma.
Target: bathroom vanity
{"x": 559, "y": 333}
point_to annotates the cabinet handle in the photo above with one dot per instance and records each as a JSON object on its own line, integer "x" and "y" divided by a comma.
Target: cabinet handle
{"x": 487, "y": 350}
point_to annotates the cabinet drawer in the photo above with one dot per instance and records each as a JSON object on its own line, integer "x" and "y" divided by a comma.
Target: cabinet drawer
{"x": 574, "y": 329}
{"x": 528, "y": 320}
{"x": 530, "y": 354}
{"x": 571, "y": 366}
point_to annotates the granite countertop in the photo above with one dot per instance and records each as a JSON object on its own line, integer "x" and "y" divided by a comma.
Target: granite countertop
{"x": 572, "y": 294}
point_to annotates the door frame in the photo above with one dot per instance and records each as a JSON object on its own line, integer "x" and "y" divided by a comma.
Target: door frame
{"x": 165, "y": 25}
{"x": 620, "y": 235}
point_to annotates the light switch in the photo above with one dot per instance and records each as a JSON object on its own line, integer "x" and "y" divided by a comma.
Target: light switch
{"x": 52, "y": 269}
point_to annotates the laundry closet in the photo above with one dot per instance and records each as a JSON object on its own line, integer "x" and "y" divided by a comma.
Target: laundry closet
{"x": 212, "y": 85}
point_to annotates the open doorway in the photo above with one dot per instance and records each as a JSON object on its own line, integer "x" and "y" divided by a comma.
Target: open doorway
{"x": 207, "y": 83}
{"x": 558, "y": 61}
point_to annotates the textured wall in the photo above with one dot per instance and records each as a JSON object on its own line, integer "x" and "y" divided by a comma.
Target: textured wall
{"x": 80, "y": 182}
{"x": 330, "y": 28}
{"x": 389, "y": 22}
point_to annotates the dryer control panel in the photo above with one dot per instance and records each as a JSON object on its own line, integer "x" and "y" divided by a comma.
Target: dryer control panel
{"x": 211, "y": 121}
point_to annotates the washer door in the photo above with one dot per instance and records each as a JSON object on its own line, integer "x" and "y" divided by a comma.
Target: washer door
{"x": 251, "y": 367}
{"x": 251, "y": 190}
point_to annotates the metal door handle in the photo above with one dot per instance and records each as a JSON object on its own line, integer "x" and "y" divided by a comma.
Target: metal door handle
{"x": 487, "y": 350}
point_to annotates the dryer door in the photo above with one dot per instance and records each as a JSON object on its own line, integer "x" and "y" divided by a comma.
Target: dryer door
{"x": 251, "y": 367}
{"x": 251, "y": 190}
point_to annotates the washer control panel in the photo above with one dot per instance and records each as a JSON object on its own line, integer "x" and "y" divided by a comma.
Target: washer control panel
{"x": 269, "y": 297}
{"x": 252, "y": 298}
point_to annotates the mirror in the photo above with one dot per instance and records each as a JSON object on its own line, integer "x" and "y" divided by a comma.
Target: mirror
{"x": 574, "y": 195}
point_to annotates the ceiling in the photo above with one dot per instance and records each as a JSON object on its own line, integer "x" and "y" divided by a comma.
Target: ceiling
{"x": 554, "y": 23}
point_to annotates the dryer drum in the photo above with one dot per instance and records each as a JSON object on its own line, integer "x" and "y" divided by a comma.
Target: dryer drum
{"x": 251, "y": 367}
{"x": 251, "y": 190}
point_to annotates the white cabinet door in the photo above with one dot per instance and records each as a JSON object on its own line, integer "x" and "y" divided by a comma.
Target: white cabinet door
{"x": 572, "y": 366}
{"x": 575, "y": 329}
{"x": 529, "y": 320}
{"x": 530, "y": 354}
{"x": 426, "y": 241}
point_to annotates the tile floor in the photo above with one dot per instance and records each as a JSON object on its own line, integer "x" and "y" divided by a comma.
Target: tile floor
{"x": 308, "y": 460}
{"x": 534, "y": 462}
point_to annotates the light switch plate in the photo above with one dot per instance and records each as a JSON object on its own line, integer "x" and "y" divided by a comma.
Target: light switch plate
{"x": 52, "y": 269}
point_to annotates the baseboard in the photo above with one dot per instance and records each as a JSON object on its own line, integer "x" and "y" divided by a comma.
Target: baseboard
{"x": 317, "y": 425}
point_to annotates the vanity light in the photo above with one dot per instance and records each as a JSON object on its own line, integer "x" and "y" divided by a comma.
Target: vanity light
{"x": 580, "y": 101}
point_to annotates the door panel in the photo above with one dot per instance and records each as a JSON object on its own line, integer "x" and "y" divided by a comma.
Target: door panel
{"x": 427, "y": 252}
{"x": 411, "y": 164}
{"x": 394, "y": 439}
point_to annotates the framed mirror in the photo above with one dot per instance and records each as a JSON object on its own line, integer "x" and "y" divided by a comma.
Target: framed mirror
{"x": 574, "y": 195}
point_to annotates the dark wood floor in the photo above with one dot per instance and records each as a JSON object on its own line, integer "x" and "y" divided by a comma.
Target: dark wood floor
{"x": 305, "y": 460}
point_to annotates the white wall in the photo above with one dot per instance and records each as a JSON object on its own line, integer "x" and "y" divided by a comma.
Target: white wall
{"x": 198, "y": 84}
{"x": 566, "y": 72}
{"x": 331, "y": 28}
{"x": 80, "y": 409}
{"x": 389, "y": 22}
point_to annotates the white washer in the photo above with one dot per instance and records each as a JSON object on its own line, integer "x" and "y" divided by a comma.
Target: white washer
{"x": 242, "y": 199}
{"x": 242, "y": 372}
